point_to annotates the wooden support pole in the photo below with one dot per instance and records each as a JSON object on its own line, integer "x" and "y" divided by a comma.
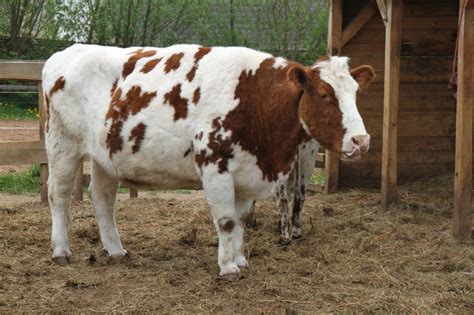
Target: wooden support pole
{"x": 465, "y": 100}
{"x": 44, "y": 184}
{"x": 331, "y": 171}
{"x": 393, "y": 36}
{"x": 133, "y": 193}
{"x": 43, "y": 166}
{"x": 79, "y": 191}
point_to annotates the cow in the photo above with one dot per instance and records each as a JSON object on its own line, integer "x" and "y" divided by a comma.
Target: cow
{"x": 293, "y": 189}
{"x": 229, "y": 120}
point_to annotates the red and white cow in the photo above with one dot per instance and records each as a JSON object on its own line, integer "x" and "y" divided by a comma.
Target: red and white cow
{"x": 227, "y": 119}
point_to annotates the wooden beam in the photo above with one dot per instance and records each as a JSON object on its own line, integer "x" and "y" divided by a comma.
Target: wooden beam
{"x": 393, "y": 37}
{"x": 335, "y": 27}
{"x": 133, "y": 193}
{"x": 79, "y": 191}
{"x": 465, "y": 100}
{"x": 331, "y": 170}
{"x": 362, "y": 18}
{"x": 469, "y": 4}
{"x": 383, "y": 10}
{"x": 22, "y": 152}
{"x": 21, "y": 70}
{"x": 44, "y": 172}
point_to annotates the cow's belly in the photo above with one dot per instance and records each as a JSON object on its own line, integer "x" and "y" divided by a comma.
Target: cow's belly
{"x": 160, "y": 168}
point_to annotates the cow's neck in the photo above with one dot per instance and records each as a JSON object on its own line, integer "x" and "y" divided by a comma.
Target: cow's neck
{"x": 266, "y": 122}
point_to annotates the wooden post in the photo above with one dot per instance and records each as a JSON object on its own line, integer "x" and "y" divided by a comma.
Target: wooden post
{"x": 79, "y": 191}
{"x": 133, "y": 193}
{"x": 393, "y": 36}
{"x": 43, "y": 167}
{"x": 331, "y": 171}
{"x": 465, "y": 100}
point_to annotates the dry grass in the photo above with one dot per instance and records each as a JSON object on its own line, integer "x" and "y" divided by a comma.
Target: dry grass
{"x": 351, "y": 259}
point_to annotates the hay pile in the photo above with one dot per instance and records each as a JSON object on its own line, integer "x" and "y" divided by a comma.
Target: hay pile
{"x": 352, "y": 258}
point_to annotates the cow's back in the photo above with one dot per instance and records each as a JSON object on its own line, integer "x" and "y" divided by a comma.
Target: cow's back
{"x": 137, "y": 110}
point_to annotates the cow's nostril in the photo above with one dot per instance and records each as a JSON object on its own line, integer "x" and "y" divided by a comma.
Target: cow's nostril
{"x": 355, "y": 140}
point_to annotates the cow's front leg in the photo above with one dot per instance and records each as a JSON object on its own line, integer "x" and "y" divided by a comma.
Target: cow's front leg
{"x": 219, "y": 191}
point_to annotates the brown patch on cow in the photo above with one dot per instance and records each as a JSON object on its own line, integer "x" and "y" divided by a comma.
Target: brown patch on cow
{"x": 191, "y": 74}
{"x": 220, "y": 147}
{"x": 137, "y": 134}
{"x": 202, "y": 51}
{"x": 173, "y": 62}
{"x": 120, "y": 109}
{"x": 129, "y": 66}
{"x": 114, "y": 87}
{"x": 324, "y": 120}
{"x": 179, "y": 103}
{"x": 196, "y": 95}
{"x": 199, "y": 136}
{"x": 266, "y": 122}
{"x": 58, "y": 85}
{"x": 150, "y": 65}
{"x": 226, "y": 224}
{"x": 187, "y": 152}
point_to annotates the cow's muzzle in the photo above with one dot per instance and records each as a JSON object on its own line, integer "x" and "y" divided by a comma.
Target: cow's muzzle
{"x": 360, "y": 145}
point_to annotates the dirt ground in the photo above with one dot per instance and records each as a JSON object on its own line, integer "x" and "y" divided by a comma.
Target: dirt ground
{"x": 352, "y": 257}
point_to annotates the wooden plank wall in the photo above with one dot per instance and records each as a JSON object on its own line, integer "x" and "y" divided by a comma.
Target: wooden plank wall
{"x": 427, "y": 109}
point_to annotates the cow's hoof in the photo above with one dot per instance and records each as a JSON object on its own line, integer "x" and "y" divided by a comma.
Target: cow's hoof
{"x": 241, "y": 262}
{"x": 118, "y": 253}
{"x": 118, "y": 258}
{"x": 61, "y": 260}
{"x": 296, "y": 236}
{"x": 285, "y": 241}
{"x": 229, "y": 269}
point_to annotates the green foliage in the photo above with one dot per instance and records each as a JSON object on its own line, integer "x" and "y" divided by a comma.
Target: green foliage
{"x": 21, "y": 182}
{"x": 14, "y": 112}
{"x": 295, "y": 29}
{"x": 318, "y": 179}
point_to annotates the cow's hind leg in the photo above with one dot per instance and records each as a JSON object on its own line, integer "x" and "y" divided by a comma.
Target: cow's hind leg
{"x": 63, "y": 162}
{"x": 282, "y": 202}
{"x": 219, "y": 191}
{"x": 103, "y": 193}
{"x": 298, "y": 201}
{"x": 243, "y": 207}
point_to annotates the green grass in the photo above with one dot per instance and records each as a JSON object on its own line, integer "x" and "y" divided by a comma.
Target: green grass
{"x": 318, "y": 179}
{"x": 12, "y": 112}
{"x": 21, "y": 182}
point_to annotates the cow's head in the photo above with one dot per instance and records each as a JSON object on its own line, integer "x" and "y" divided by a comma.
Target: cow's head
{"x": 327, "y": 108}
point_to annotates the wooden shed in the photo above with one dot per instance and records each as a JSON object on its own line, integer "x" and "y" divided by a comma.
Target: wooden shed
{"x": 409, "y": 110}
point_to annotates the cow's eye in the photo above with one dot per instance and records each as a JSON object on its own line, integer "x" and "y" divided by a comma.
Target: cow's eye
{"x": 323, "y": 95}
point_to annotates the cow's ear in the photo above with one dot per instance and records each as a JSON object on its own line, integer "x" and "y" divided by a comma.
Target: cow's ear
{"x": 298, "y": 76}
{"x": 363, "y": 75}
